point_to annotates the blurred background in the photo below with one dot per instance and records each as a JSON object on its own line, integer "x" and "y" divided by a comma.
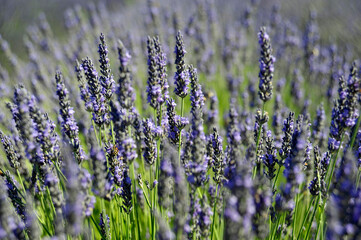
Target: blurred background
{"x": 338, "y": 20}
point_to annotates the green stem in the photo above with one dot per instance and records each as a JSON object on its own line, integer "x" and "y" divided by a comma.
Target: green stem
{"x": 152, "y": 202}
{"x": 100, "y": 136}
{"x": 214, "y": 212}
{"x": 354, "y": 134}
{"x": 96, "y": 225}
{"x": 128, "y": 217}
{"x": 21, "y": 181}
{"x": 333, "y": 164}
{"x": 295, "y": 217}
{"x": 180, "y": 134}
{"x": 313, "y": 216}
{"x": 304, "y": 219}
{"x": 135, "y": 208}
{"x": 113, "y": 133}
{"x": 275, "y": 181}
{"x": 95, "y": 131}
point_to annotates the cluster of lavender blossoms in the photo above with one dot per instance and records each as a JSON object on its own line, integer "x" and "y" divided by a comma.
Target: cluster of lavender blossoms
{"x": 180, "y": 144}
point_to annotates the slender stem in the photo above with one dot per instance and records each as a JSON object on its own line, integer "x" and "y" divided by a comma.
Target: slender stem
{"x": 152, "y": 202}
{"x": 100, "y": 136}
{"x": 95, "y": 131}
{"x": 305, "y": 218}
{"x": 113, "y": 133}
{"x": 275, "y": 181}
{"x": 313, "y": 216}
{"x": 135, "y": 205}
{"x": 200, "y": 192}
{"x": 214, "y": 212}
{"x": 180, "y": 134}
{"x": 295, "y": 217}
{"x": 354, "y": 134}
{"x": 128, "y": 220}
{"x": 358, "y": 178}
{"x": 333, "y": 164}
{"x": 21, "y": 181}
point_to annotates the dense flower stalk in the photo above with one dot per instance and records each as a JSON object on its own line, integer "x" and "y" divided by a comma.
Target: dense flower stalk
{"x": 127, "y": 150}
{"x": 233, "y": 142}
{"x": 11, "y": 225}
{"x": 100, "y": 172}
{"x": 84, "y": 91}
{"x": 150, "y": 145}
{"x": 105, "y": 226}
{"x": 270, "y": 158}
{"x": 99, "y": 108}
{"x": 73, "y": 204}
{"x": 126, "y": 193}
{"x": 180, "y": 197}
{"x": 13, "y": 157}
{"x": 125, "y": 91}
{"x": 13, "y": 194}
{"x": 154, "y": 90}
{"x": 318, "y": 184}
{"x": 181, "y": 78}
{"x": 266, "y": 64}
{"x": 106, "y": 79}
{"x": 293, "y": 168}
{"x": 217, "y": 157}
{"x": 175, "y": 122}
{"x": 162, "y": 70}
{"x": 198, "y": 165}
{"x": 344, "y": 112}
{"x": 44, "y": 133}
{"x": 288, "y": 128}
{"x": 165, "y": 184}
{"x": 69, "y": 126}
{"x": 345, "y": 203}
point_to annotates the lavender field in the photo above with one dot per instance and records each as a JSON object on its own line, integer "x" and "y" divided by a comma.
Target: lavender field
{"x": 168, "y": 120}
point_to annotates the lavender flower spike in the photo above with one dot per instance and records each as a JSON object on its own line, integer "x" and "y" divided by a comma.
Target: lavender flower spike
{"x": 154, "y": 90}
{"x": 150, "y": 147}
{"x": 69, "y": 126}
{"x": 175, "y": 122}
{"x": 181, "y": 78}
{"x": 106, "y": 79}
{"x": 125, "y": 91}
{"x": 96, "y": 92}
{"x": 198, "y": 166}
{"x": 266, "y": 62}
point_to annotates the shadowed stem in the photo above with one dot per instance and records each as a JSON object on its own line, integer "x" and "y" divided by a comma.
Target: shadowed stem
{"x": 180, "y": 134}
{"x": 354, "y": 134}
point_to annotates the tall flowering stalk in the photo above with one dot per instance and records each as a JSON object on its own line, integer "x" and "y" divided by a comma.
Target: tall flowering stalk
{"x": 181, "y": 77}
{"x": 106, "y": 78}
{"x": 69, "y": 126}
{"x": 266, "y": 65}
{"x": 175, "y": 123}
{"x": 125, "y": 91}
{"x": 198, "y": 165}
{"x": 96, "y": 92}
{"x": 153, "y": 89}
{"x": 344, "y": 115}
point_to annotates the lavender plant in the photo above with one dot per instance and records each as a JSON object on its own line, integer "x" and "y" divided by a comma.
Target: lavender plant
{"x": 141, "y": 153}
